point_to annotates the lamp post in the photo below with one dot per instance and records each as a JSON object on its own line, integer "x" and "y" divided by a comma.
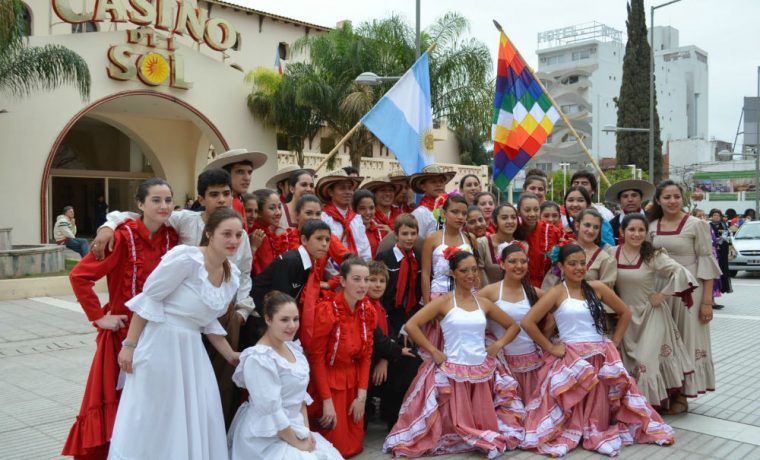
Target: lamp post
{"x": 651, "y": 85}
{"x": 633, "y": 171}
{"x": 564, "y": 178}
{"x": 373, "y": 79}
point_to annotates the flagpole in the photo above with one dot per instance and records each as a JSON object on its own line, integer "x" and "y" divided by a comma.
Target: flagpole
{"x": 556, "y": 107}
{"x": 351, "y": 132}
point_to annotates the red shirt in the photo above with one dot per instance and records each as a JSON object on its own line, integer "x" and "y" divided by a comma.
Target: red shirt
{"x": 239, "y": 206}
{"x": 540, "y": 241}
{"x": 340, "y": 352}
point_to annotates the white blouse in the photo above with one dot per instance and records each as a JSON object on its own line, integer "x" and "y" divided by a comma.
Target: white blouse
{"x": 179, "y": 292}
{"x": 357, "y": 228}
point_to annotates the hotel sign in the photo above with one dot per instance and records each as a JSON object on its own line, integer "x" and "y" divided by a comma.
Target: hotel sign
{"x": 161, "y": 64}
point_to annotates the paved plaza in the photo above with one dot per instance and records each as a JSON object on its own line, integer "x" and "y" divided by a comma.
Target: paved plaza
{"x": 46, "y": 345}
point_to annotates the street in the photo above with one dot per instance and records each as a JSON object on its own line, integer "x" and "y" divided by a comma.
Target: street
{"x": 46, "y": 346}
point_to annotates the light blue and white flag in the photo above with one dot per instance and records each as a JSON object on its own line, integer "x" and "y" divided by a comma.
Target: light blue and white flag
{"x": 402, "y": 119}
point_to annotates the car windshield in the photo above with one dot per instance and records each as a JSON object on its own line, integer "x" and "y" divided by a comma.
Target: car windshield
{"x": 748, "y": 232}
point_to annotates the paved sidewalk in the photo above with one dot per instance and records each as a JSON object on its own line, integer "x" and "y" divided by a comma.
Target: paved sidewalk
{"x": 46, "y": 346}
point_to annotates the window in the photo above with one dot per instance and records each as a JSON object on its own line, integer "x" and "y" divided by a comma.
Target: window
{"x": 84, "y": 27}
{"x": 238, "y": 42}
{"x": 326, "y": 144}
{"x": 282, "y": 141}
{"x": 556, "y": 59}
{"x": 570, "y": 108}
{"x": 283, "y": 49}
{"x": 582, "y": 54}
{"x": 570, "y": 80}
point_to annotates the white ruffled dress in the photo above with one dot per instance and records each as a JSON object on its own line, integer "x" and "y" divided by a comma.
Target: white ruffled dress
{"x": 170, "y": 406}
{"x": 277, "y": 391}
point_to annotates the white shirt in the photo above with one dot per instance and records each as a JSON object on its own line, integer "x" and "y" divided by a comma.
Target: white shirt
{"x": 305, "y": 258}
{"x": 425, "y": 220}
{"x": 357, "y": 228}
{"x": 189, "y": 226}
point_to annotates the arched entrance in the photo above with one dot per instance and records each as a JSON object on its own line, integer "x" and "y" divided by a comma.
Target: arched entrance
{"x": 109, "y": 147}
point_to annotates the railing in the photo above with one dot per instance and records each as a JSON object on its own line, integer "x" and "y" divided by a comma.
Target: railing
{"x": 376, "y": 167}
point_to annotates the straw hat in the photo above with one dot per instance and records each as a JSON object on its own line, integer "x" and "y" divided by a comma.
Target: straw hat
{"x": 428, "y": 172}
{"x": 612, "y": 195}
{"x": 237, "y": 156}
{"x": 284, "y": 174}
{"x": 374, "y": 183}
{"x": 398, "y": 175}
{"x": 333, "y": 178}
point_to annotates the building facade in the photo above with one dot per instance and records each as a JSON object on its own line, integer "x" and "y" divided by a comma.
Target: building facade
{"x": 581, "y": 66}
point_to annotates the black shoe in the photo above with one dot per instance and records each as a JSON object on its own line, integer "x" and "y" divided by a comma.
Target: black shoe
{"x": 718, "y": 306}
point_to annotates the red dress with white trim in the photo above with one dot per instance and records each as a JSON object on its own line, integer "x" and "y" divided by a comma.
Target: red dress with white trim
{"x": 135, "y": 254}
{"x": 340, "y": 356}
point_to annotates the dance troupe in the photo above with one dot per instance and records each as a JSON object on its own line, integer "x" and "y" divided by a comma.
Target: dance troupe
{"x": 275, "y": 325}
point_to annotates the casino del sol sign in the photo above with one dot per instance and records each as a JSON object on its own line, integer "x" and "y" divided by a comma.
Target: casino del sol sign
{"x": 160, "y": 64}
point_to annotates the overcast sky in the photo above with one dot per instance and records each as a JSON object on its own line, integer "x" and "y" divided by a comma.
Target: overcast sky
{"x": 728, "y": 30}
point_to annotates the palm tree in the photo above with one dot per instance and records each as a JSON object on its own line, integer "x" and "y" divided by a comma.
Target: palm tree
{"x": 273, "y": 100}
{"x": 460, "y": 75}
{"x": 25, "y": 70}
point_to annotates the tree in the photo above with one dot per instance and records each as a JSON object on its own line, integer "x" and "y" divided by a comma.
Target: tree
{"x": 25, "y": 70}
{"x": 461, "y": 87}
{"x": 273, "y": 100}
{"x": 633, "y": 102}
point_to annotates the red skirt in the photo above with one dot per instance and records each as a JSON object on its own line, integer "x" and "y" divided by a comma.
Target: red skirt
{"x": 589, "y": 395}
{"x": 91, "y": 433}
{"x": 347, "y": 436}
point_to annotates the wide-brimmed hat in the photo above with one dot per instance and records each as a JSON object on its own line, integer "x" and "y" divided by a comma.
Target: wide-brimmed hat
{"x": 374, "y": 183}
{"x": 333, "y": 178}
{"x": 398, "y": 175}
{"x": 237, "y": 156}
{"x": 428, "y": 172}
{"x": 612, "y": 195}
{"x": 284, "y": 174}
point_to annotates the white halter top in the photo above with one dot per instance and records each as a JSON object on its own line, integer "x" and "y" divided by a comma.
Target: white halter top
{"x": 522, "y": 344}
{"x": 464, "y": 335}
{"x": 575, "y": 322}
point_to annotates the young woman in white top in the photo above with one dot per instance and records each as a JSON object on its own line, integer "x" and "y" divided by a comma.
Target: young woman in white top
{"x": 170, "y": 407}
{"x": 273, "y": 423}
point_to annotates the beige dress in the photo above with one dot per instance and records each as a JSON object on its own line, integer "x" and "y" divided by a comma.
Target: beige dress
{"x": 490, "y": 270}
{"x": 652, "y": 349}
{"x": 691, "y": 246}
{"x": 601, "y": 266}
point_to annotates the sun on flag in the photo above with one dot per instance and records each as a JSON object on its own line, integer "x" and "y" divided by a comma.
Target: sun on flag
{"x": 523, "y": 115}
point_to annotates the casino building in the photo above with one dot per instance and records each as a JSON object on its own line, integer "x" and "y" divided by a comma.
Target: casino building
{"x": 167, "y": 94}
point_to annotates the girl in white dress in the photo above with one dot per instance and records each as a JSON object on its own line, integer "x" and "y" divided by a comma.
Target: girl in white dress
{"x": 170, "y": 407}
{"x": 273, "y": 424}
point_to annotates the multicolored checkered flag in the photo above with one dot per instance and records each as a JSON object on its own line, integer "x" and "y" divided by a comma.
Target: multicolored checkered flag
{"x": 523, "y": 115}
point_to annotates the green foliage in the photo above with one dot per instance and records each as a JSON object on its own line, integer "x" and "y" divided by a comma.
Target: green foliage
{"x": 461, "y": 87}
{"x": 25, "y": 70}
{"x": 471, "y": 149}
{"x": 633, "y": 102}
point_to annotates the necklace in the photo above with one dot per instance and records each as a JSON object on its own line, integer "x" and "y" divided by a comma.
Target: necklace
{"x": 628, "y": 259}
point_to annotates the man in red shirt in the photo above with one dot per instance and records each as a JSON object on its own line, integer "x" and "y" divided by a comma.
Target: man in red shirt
{"x": 240, "y": 163}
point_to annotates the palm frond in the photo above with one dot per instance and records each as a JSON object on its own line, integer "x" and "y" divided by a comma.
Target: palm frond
{"x": 26, "y": 70}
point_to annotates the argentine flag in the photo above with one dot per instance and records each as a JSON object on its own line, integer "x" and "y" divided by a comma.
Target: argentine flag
{"x": 402, "y": 118}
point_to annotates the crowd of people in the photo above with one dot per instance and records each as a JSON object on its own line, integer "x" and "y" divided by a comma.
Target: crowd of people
{"x": 277, "y": 324}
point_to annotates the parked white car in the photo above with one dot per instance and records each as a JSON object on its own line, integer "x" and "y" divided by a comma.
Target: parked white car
{"x": 746, "y": 242}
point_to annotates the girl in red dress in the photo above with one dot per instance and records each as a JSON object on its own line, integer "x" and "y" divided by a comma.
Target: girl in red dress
{"x": 340, "y": 355}
{"x": 268, "y": 221}
{"x": 137, "y": 249}
{"x": 540, "y": 236}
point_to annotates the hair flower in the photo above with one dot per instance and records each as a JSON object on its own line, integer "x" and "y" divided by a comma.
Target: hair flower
{"x": 449, "y": 252}
{"x": 440, "y": 201}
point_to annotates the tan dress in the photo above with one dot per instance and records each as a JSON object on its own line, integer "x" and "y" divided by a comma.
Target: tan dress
{"x": 691, "y": 246}
{"x": 490, "y": 271}
{"x": 601, "y": 266}
{"x": 652, "y": 349}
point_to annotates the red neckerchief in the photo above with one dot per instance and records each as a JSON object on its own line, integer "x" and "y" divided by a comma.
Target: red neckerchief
{"x": 310, "y": 297}
{"x": 491, "y": 229}
{"x": 277, "y": 244}
{"x": 407, "y": 280}
{"x": 428, "y": 202}
{"x": 383, "y": 219}
{"x": 404, "y": 208}
{"x": 290, "y": 239}
{"x": 332, "y": 211}
{"x": 380, "y": 316}
{"x": 374, "y": 236}
{"x": 239, "y": 206}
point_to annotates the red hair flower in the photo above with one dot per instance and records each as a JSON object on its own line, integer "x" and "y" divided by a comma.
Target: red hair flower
{"x": 449, "y": 252}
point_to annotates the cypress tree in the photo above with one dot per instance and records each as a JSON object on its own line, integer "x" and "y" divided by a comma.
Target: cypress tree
{"x": 633, "y": 102}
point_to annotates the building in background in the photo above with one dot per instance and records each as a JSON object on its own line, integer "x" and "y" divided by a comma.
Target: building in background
{"x": 581, "y": 66}
{"x": 681, "y": 81}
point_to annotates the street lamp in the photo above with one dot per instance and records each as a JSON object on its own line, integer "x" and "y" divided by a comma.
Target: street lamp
{"x": 564, "y": 178}
{"x": 633, "y": 171}
{"x": 651, "y": 85}
{"x": 373, "y": 79}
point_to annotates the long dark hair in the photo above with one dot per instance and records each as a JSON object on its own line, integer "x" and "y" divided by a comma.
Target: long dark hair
{"x": 647, "y": 250}
{"x": 595, "y": 305}
{"x": 586, "y": 196}
{"x": 520, "y": 233}
{"x": 293, "y": 180}
{"x": 530, "y": 291}
{"x": 656, "y": 211}
{"x": 216, "y": 218}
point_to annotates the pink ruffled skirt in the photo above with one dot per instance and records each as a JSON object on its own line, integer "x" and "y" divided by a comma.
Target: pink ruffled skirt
{"x": 589, "y": 395}
{"x": 455, "y": 408}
